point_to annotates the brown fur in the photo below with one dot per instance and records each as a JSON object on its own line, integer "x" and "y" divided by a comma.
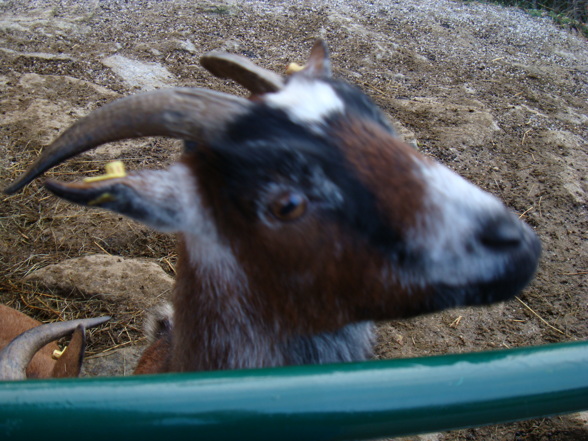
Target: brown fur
{"x": 155, "y": 359}
{"x": 386, "y": 166}
{"x": 343, "y": 277}
{"x": 43, "y": 365}
{"x": 14, "y": 323}
{"x": 320, "y": 268}
{"x": 321, "y": 248}
{"x": 213, "y": 318}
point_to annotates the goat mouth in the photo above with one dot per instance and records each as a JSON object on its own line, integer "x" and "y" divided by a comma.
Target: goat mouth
{"x": 514, "y": 277}
{"x": 518, "y": 272}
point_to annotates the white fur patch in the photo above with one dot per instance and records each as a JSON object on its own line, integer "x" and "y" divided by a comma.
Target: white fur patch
{"x": 166, "y": 198}
{"x": 448, "y": 230}
{"x": 175, "y": 205}
{"x": 158, "y": 321}
{"x": 209, "y": 253}
{"x": 306, "y": 100}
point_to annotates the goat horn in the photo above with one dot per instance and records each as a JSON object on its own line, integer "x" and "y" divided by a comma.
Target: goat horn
{"x": 240, "y": 69}
{"x": 16, "y": 356}
{"x": 186, "y": 113}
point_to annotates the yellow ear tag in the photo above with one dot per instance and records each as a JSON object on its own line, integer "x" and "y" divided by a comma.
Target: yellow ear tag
{"x": 104, "y": 198}
{"x": 57, "y": 353}
{"x": 293, "y": 68}
{"x": 114, "y": 169}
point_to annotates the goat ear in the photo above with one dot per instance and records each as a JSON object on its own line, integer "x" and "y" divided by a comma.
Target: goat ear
{"x": 318, "y": 65}
{"x": 69, "y": 363}
{"x": 152, "y": 197}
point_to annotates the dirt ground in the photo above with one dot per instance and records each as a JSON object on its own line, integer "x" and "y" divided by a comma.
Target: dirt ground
{"x": 497, "y": 95}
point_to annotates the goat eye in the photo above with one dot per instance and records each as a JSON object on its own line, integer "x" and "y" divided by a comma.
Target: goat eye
{"x": 289, "y": 206}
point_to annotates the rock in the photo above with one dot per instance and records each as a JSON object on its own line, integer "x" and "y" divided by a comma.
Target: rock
{"x": 405, "y": 133}
{"x": 134, "y": 283}
{"x": 570, "y": 116}
{"x": 38, "y": 55}
{"x": 231, "y": 46}
{"x": 146, "y": 76}
{"x": 571, "y": 160}
{"x": 116, "y": 363}
{"x": 468, "y": 124}
{"x": 583, "y": 417}
{"x": 425, "y": 437}
{"x": 43, "y": 22}
{"x": 52, "y": 83}
{"x": 187, "y": 46}
{"x": 43, "y": 117}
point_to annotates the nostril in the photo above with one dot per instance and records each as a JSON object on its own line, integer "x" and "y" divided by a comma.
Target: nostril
{"x": 502, "y": 234}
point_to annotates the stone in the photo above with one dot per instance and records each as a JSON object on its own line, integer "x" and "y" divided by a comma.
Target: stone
{"x": 467, "y": 124}
{"x": 134, "y": 283}
{"x": 146, "y": 76}
{"x": 115, "y": 363}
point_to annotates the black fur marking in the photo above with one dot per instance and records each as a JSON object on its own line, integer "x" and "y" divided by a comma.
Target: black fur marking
{"x": 265, "y": 147}
{"x": 359, "y": 104}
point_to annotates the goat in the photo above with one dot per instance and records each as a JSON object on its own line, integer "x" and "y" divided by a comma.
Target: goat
{"x": 301, "y": 218}
{"x": 28, "y": 347}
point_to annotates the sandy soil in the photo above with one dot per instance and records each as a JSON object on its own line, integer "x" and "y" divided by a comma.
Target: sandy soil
{"x": 497, "y": 95}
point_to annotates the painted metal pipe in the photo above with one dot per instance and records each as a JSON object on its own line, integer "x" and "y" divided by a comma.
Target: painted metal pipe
{"x": 330, "y": 402}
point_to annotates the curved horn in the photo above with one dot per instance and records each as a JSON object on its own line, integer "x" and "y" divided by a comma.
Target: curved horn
{"x": 16, "y": 356}
{"x": 240, "y": 69}
{"x": 185, "y": 113}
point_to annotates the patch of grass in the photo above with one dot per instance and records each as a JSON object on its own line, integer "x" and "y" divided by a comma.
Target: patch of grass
{"x": 219, "y": 10}
{"x": 571, "y": 14}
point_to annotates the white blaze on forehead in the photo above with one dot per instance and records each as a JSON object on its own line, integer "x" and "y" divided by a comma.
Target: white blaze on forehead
{"x": 306, "y": 100}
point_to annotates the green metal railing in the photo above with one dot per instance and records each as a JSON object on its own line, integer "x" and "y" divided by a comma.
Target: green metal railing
{"x": 330, "y": 402}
